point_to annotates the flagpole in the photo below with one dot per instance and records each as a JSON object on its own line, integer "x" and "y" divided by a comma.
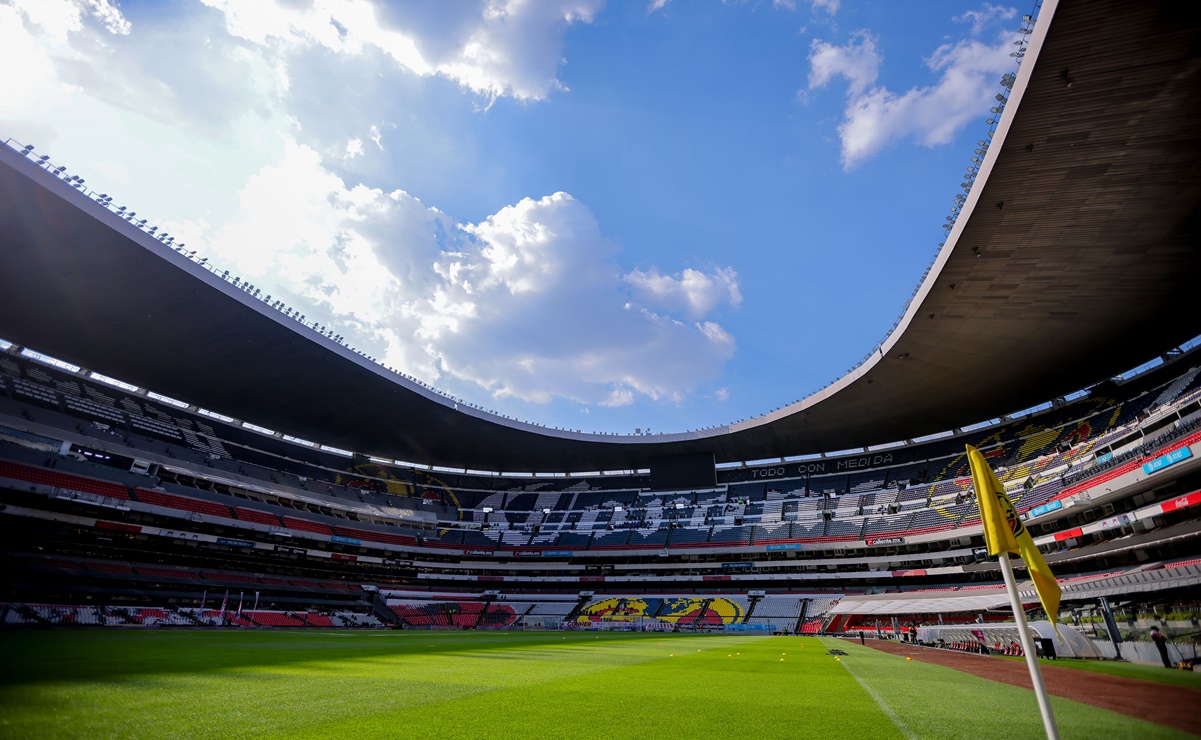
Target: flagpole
{"x": 1036, "y": 674}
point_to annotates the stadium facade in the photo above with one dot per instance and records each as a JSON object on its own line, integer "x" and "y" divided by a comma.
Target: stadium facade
{"x": 161, "y": 453}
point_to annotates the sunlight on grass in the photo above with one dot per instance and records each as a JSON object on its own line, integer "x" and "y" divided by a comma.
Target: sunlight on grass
{"x": 447, "y": 685}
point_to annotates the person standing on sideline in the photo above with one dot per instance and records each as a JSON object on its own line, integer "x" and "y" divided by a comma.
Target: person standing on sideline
{"x": 1161, "y": 644}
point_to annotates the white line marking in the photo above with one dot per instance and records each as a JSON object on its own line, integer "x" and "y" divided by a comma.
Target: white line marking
{"x": 900, "y": 725}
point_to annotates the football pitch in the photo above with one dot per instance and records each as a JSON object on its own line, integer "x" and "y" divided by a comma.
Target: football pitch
{"x": 156, "y": 684}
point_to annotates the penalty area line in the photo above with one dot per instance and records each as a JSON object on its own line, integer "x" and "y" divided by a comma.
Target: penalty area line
{"x": 892, "y": 716}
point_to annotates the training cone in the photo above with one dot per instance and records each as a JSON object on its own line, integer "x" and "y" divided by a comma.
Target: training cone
{"x": 672, "y": 655}
{"x": 781, "y": 660}
{"x": 908, "y": 658}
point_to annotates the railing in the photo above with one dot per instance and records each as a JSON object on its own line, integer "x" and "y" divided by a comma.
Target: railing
{"x": 170, "y": 242}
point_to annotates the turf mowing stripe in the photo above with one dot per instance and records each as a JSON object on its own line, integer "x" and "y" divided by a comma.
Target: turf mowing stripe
{"x": 524, "y": 685}
{"x": 908, "y": 733}
{"x": 942, "y": 703}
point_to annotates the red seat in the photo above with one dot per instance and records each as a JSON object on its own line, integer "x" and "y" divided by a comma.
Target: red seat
{"x": 54, "y": 478}
{"x": 258, "y": 517}
{"x": 307, "y": 525}
{"x": 183, "y": 503}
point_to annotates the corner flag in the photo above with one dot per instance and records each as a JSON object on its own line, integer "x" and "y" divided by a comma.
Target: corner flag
{"x": 1004, "y": 532}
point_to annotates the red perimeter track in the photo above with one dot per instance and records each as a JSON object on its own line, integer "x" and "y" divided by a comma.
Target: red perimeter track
{"x": 1174, "y": 706}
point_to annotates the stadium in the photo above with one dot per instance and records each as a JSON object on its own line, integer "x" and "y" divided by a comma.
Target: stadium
{"x": 221, "y": 519}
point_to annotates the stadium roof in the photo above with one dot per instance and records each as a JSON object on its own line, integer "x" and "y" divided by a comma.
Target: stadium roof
{"x": 922, "y": 603}
{"x": 1075, "y": 257}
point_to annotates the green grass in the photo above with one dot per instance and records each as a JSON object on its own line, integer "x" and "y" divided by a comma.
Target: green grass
{"x": 1156, "y": 673}
{"x": 499, "y": 685}
{"x": 969, "y": 706}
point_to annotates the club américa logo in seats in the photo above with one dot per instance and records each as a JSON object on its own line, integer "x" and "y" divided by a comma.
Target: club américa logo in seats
{"x": 1011, "y": 515}
{"x": 688, "y": 609}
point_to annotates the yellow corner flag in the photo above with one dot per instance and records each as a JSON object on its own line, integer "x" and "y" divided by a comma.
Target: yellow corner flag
{"x": 1004, "y": 531}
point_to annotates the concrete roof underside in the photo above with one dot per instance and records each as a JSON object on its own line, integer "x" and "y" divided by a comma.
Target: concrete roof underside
{"x": 1076, "y": 258}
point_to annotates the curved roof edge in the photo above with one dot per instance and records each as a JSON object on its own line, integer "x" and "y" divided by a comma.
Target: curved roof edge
{"x": 1077, "y": 278}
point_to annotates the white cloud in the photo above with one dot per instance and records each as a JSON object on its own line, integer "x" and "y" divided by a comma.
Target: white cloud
{"x": 986, "y": 16}
{"x": 722, "y": 394}
{"x": 110, "y": 15}
{"x": 619, "y": 397}
{"x": 874, "y": 117}
{"x": 58, "y": 18}
{"x": 529, "y": 303}
{"x": 858, "y": 62}
{"x": 830, "y": 6}
{"x": 492, "y": 47}
{"x": 691, "y": 292}
{"x": 158, "y": 105}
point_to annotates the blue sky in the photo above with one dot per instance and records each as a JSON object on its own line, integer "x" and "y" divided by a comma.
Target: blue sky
{"x": 596, "y": 215}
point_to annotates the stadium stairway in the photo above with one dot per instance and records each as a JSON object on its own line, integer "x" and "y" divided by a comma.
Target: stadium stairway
{"x": 30, "y": 614}
{"x": 750, "y": 609}
{"x": 186, "y": 616}
{"x": 483, "y": 612}
{"x": 379, "y": 608}
{"x": 834, "y": 623}
{"x": 702, "y": 615}
{"x": 575, "y": 611}
{"x": 126, "y": 616}
{"x": 800, "y": 620}
{"x": 520, "y": 621}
